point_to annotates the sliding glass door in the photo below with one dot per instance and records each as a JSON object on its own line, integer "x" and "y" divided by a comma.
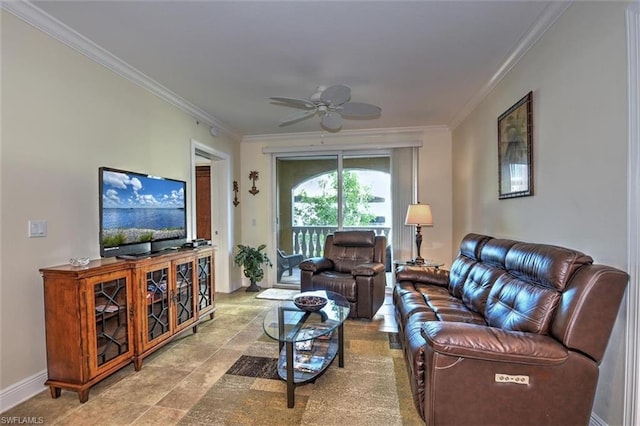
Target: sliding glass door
{"x": 319, "y": 194}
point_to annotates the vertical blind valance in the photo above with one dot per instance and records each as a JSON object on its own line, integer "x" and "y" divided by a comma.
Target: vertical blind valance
{"x": 403, "y": 190}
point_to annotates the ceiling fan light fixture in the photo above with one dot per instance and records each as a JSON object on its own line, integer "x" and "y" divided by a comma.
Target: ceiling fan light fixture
{"x": 316, "y": 96}
{"x": 331, "y": 121}
{"x": 331, "y": 103}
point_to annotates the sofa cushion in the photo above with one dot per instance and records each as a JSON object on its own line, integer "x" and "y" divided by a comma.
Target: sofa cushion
{"x": 430, "y": 292}
{"x": 478, "y": 285}
{"x": 460, "y": 269}
{"x": 470, "y": 249}
{"x": 411, "y": 303}
{"x": 526, "y": 298}
{"x": 549, "y": 266}
{"x": 401, "y": 288}
{"x": 518, "y": 305}
{"x": 450, "y": 304}
{"x": 461, "y": 316}
{"x": 494, "y": 252}
{"x": 471, "y": 245}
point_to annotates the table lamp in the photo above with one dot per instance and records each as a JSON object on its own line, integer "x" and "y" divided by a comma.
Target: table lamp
{"x": 419, "y": 215}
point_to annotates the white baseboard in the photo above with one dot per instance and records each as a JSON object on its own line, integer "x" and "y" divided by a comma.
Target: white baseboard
{"x": 23, "y": 390}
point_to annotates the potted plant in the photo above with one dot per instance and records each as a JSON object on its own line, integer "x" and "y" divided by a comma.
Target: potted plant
{"x": 252, "y": 260}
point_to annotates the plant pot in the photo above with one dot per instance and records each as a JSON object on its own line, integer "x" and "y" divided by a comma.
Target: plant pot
{"x": 254, "y": 287}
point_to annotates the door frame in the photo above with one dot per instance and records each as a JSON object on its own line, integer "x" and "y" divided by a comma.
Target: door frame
{"x": 631, "y": 414}
{"x": 340, "y": 154}
{"x": 220, "y": 211}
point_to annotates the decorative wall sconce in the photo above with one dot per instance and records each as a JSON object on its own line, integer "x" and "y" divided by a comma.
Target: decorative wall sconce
{"x": 253, "y": 175}
{"x": 235, "y": 196}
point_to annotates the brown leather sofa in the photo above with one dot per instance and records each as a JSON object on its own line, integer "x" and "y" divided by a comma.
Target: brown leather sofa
{"x": 353, "y": 265}
{"x": 512, "y": 335}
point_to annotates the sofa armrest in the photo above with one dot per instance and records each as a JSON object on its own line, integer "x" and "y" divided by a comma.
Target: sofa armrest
{"x": 316, "y": 264}
{"x": 368, "y": 269}
{"x": 423, "y": 274}
{"x": 492, "y": 344}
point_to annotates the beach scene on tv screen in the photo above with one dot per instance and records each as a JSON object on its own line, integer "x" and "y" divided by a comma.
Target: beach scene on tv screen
{"x": 138, "y": 208}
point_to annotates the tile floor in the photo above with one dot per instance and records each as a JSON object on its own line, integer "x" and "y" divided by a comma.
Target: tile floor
{"x": 172, "y": 379}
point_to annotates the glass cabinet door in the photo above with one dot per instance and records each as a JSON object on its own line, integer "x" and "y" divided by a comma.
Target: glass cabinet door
{"x": 205, "y": 287}
{"x": 112, "y": 327}
{"x": 157, "y": 312}
{"x": 184, "y": 297}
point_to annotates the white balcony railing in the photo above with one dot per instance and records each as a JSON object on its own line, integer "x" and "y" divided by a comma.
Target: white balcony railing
{"x": 309, "y": 240}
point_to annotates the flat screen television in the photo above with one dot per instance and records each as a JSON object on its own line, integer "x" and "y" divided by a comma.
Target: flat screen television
{"x": 140, "y": 213}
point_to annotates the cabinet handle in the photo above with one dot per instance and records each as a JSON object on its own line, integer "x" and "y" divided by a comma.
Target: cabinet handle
{"x": 131, "y": 313}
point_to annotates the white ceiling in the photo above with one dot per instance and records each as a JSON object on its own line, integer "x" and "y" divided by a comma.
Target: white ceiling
{"x": 422, "y": 62}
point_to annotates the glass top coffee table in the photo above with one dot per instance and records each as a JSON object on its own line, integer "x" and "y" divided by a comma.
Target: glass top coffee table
{"x": 309, "y": 341}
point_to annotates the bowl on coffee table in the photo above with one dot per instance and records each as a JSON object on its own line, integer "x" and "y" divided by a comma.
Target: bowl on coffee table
{"x": 310, "y": 303}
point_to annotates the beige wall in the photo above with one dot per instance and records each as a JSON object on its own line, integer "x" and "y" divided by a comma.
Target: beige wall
{"x": 434, "y": 188}
{"x": 63, "y": 116}
{"x": 577, "y": 72}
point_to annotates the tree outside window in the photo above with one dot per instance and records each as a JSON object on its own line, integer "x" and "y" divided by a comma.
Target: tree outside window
{"x": 321, "y": 209}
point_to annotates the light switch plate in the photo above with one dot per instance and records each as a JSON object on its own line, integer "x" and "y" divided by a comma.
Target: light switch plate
{"x": 37, "y": 228}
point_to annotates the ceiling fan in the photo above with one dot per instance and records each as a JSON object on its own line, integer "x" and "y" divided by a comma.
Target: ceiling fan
{"x": 332, "y": 104}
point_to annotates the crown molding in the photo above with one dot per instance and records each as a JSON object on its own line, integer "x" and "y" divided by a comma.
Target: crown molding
{"x": 49, "y": 25}
{"x": 548, "y": 16}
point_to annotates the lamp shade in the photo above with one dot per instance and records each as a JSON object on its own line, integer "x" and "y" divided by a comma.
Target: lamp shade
{"x": 419, "y": 214}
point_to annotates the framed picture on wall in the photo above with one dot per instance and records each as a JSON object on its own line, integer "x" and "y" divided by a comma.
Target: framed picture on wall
{"x": 515, "y": 159}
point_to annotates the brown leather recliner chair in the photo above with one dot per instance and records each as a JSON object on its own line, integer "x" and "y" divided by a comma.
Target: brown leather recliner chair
{"x": 353, "y": 265}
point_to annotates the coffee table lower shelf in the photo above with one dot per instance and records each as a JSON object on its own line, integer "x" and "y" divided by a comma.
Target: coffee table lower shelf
{"x": 292, "y": 362}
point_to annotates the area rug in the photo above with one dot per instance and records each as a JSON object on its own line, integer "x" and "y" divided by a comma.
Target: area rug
{"x": 277, "y": 294}
{"x": 371, "y": 389}
{"x": 267, "y": 368}
{"x": 255, "y": 366}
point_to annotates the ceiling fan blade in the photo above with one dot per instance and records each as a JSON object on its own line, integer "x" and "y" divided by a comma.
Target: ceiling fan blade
{"x": 331, "y": 121}
{"x": 360, "y": 109}
{"x": 336, "y": 95}
{"x": 301, "y": 115}
{"x": 295, "y": 102}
